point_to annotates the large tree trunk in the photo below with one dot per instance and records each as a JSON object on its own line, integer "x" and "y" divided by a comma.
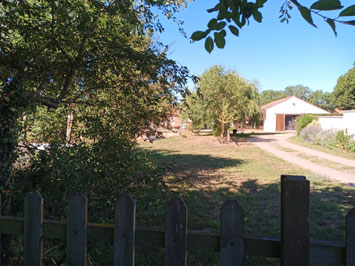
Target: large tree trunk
{"x": 228, "y": 135}
{"x": 222, "y": 131}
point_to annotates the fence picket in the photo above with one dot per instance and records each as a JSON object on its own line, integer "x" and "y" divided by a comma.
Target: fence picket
{"x": 125, "y": 226}
{"x": 175, "y": 233}
{"x": 295, "y": 238}
{"x": 77, "y": 230}
{"x": 33, "y": 229}
{"x": 350, "y": 238}
{"x": 232, "y": 234}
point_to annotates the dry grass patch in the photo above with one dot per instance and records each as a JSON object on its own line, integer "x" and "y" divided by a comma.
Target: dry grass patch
{"x": 206, "y": 173}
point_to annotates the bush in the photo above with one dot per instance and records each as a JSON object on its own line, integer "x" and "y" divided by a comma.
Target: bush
{"x": 344, "y": 141}
{"x": 315, "y": 134}
{"x": 103, "y": 171}
{"x": 311, "y": 133}
{"x": 302, "y": 121}
{"x": 329, "y": 138}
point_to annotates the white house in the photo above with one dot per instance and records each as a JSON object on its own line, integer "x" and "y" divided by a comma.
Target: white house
{"x": 341, "y": 122}
{"x": 281, "y": 114}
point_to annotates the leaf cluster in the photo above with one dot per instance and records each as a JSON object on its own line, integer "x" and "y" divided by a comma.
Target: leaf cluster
{"x": 236, "y": 14}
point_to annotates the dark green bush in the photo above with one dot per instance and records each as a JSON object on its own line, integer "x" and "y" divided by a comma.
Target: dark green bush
{"x": 302, "y": 121}
{"x": 103, "y": 171}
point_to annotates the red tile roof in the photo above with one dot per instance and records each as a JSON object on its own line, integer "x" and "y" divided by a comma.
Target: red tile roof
{"x": 273, "y": 103}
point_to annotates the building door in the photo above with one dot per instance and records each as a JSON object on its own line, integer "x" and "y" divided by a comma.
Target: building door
{"x": 290, "y": 122}
{"x": 280, "y": 122}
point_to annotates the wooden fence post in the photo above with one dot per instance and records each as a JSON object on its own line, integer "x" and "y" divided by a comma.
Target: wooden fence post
{"x": 295, "y": 238}
{"x": 232, "y": 234}
{"x": 124, "y": 236}
{"x": 33, "y": 229}
{"x": 176, "y": 233}
{"x": 350, "y": 238}
{"x": 77, "y": 230}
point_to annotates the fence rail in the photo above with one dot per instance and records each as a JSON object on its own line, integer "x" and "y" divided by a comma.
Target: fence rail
{"x": 294, "y": 247}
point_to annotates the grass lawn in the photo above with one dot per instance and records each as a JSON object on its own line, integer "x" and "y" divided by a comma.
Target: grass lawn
{"x": 205, "y": 174}
{"x": 299, "y": 141}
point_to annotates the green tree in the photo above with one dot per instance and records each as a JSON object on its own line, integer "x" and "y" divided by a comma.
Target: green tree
{"x": 344, "y": 91}
{"x": 55, "y": 53}
{"x": 322, "y": 99}
{"x": 299, "y": 91}
{"x": 236, "y": 14}
{"x": 268, "y": 96}
{"x": 222, "y": 97}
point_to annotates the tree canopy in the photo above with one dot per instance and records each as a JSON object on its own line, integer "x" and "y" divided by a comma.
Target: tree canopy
{"x": 99, "y": 54}
{"x": 222, "y": 97}
{"x": 344, "y": 91}
{"x": 236, "y": 14}
{"x": 299, "y": 91}
{"x": 319, "y": 98}
{"x": 267, "y": 96}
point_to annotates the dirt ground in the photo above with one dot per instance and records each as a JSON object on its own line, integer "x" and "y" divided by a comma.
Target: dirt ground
{"x": 324, "y": 164}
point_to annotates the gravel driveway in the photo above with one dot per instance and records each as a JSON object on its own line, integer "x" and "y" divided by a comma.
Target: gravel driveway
{"x": 301, "y": 156}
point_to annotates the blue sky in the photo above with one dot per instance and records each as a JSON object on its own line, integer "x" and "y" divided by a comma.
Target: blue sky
{"x": 276, "y": 54}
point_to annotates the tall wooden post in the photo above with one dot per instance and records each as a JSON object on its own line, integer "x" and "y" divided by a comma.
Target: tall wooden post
{"x": 232, "y": 234}
{"x": 295, "y": 238}
{"x": 176, "y": 233}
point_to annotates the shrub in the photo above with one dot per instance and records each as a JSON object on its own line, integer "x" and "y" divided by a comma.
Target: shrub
{"x": 102, "y": 171}
{"x": 302, "y": 121}
{"x": 344, "y": 141}
{"x": 315, "y": 134}
{"x": 326, "y": 138}
{"x": 311, "y": 133}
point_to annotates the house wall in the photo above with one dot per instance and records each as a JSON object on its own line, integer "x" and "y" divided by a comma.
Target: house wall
{"x": 292, "y": 106}
{"x": 345, "y": 122}
{"x": 349, "y": 121}
{"x": 331, "y": 122}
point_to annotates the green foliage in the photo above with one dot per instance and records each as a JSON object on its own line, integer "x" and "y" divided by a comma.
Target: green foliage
{"x": 344, "y": 92}
{"x": 103, "y": 171}
{"x": 314, "y": 133}
{"x": 319, "y": 98}
{"x": 222, "y": 97}
{"x": 328, "y": 138}
{"x": 344, "y": 141}
{"x": 302, "y": 121}
{"x": 299, "y": 91}
{"x": 236, "y": 14}
{"x": 268, "y": 96}
{"x": 322, "y": 99}
{"x": 94, "y": 52}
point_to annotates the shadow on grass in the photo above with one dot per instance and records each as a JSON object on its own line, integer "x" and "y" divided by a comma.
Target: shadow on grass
{"x": 261, "y": 202}
{"x": 181, "y": 163}
{"x": 205, "y": 191}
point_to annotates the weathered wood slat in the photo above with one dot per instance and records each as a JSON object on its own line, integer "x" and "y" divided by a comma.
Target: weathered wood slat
{"x": 232, "y": 234}
{"x": 322, "y": 252}
{"x": 350, "y": 238}
{"x": 77, "y": 230}
{"x": 176, "y": 233}
{"x": 125, "y": 226}
{"x": 295, "y": 237}
{"x": 33, "y": 229}
{"x": 327, "y": 253}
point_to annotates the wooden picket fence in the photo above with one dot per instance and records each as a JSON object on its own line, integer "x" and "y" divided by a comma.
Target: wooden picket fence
{"x": 294, "y": 248}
